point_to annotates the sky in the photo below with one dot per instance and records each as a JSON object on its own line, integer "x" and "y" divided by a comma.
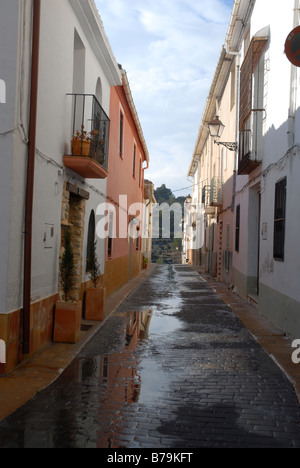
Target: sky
{"x": 170, "y": 50}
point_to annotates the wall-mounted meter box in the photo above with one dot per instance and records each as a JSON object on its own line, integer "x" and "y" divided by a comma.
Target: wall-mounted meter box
{"x": 49, "y": 236}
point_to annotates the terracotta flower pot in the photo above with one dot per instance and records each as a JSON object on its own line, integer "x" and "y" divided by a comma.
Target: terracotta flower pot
{"x": 80, "y": 148}
{"x": 67, "y": 323}
{"x": 94, "y": 304}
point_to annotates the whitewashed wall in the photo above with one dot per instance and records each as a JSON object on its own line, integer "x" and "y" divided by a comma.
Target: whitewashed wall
{"x": 58, "y": 24}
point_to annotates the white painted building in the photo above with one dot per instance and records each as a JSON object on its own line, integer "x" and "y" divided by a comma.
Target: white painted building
{"x": 74, "y": 57}
{"x": 262, "y": 175}
{"x": 279, "y": 191}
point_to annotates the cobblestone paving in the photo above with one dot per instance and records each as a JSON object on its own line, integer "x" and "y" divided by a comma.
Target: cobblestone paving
{"x": 172, "y": 368}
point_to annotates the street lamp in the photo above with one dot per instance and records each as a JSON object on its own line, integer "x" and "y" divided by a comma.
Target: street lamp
{"x": 216, "y": 128}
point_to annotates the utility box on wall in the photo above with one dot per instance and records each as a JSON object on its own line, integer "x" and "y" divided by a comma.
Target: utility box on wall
{"x": 49, "y": 236}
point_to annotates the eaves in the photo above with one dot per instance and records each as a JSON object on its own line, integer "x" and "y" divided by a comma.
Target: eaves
{"x": 91, "y": 23}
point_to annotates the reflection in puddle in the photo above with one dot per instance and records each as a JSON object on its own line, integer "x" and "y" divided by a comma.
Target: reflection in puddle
{"x": 130, "y": 374}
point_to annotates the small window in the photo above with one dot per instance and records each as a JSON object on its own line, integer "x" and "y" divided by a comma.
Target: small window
{"x": 121, "y": 133}
{"x": 279, "y": 219}
{"x": 110, "y": 235}
{"x": 140, "y": 173}
{"x": 237, "y": 228}
{"x": 133, "y": 163}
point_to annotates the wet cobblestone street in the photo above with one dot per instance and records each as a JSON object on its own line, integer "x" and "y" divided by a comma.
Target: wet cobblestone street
{"x": 172, "y": 368}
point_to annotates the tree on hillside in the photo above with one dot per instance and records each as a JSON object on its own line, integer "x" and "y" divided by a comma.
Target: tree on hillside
{"x": 163, "y": 194}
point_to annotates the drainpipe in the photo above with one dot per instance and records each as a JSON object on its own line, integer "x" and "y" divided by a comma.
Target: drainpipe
{"x": 236, "y": 154}
{"x": 30, "y": 175}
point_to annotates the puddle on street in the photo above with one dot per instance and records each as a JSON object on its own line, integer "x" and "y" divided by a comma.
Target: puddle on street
{"x": 122, "y": 367}
{"x": 132, "y": 372}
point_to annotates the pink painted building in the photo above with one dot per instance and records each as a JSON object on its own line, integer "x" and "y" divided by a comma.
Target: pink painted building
{"x": 128, "y": 159}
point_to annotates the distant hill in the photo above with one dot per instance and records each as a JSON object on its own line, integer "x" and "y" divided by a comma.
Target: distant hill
{"x": 165, "y": 195}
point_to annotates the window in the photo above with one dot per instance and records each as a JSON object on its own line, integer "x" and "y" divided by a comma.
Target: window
{"x": 134, "y": 157}
{"x": 252, "y": 105}
{"x": 140, "y": 173}
{"x": 121, "y": 133}
{"x": 279, "y": 219}
{"x": 110, "y": 235}
{"x": 237, "y": 228}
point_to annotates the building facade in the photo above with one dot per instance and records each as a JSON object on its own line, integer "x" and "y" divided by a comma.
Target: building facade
{"x": 251, "y": 234}
{"x": 60, "y": 77}
{"x": 128, "y": 160}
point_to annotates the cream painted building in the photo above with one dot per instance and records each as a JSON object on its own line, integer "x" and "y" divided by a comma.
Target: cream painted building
{"x": 149, "y": 203}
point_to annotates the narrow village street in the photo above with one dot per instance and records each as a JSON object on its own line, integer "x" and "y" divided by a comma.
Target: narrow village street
{"x": 173, "y": 367}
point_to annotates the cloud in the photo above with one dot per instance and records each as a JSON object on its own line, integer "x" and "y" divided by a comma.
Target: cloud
{"x": 170, "y": 50}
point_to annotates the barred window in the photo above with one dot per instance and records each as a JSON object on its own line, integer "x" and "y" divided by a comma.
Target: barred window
{"x": 279, "y": 219}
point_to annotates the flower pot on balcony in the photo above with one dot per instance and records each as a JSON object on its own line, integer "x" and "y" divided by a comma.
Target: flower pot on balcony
{"x": 94, "y": 304}
{"x": 80, "y": 148}
{"x": 67, "y": 322}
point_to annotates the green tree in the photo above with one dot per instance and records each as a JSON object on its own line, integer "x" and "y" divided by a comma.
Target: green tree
{"x": 163, "y": 194}
{"x": 94, "y": 266}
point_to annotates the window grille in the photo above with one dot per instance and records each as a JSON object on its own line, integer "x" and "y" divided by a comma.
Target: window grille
{"x": 279, "y": 219}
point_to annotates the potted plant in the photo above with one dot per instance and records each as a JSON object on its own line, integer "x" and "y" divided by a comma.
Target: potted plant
{"x": 95, "y": 295}
{"x": 68, "y": 313}
{"x": 145, "y": 262}
{"x": 81, "y": 142}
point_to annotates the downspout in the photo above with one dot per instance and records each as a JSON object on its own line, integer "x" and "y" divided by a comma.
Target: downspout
{"x": 236, "y": 154}
{"x": 237, "y": 103}
{"x": 30, "y": 175}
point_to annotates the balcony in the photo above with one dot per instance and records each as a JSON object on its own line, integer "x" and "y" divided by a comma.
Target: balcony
{"x": 206, "y": 196}
{"x": 216, "y": 192}
{"x": 250, "y": 146}
{"x": 90, "y": 134}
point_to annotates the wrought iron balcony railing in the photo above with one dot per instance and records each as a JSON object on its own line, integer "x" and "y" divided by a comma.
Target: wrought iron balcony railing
{"x": 206, "y": 198}
{"x": 250, "y": 146}
{"x": 216, "y": 192}
{"x": 90, "y": 137}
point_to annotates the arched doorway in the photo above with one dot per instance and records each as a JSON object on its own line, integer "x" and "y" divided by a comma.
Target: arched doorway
{"x": 90, "y": 239}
